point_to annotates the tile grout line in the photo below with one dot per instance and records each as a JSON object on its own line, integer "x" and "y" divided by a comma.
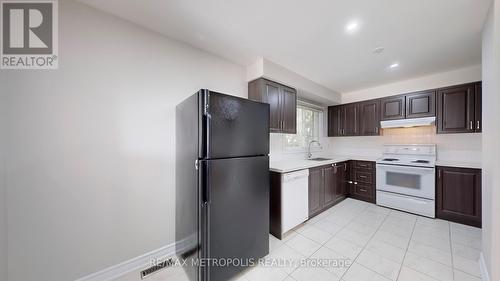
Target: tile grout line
{"x": 357, "y": 256}
{"x": 327, "y": 242}
{"x": 407, "y": 247}
{"x": 354, "y": 260}
{"x": 362, "y": 249}
{"x": 358, "y": 214}
{"x": 426, "y": 274}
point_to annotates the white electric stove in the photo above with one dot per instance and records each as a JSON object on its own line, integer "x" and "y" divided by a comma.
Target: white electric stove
{"x": 406, "y": 178}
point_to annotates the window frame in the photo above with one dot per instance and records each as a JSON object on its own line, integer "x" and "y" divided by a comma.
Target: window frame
{"x": 320, "y": 128}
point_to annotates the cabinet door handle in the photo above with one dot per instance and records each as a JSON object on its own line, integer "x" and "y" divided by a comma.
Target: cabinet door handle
{"x": 478, "y": 125}
{"x": 362, "y": 189}
{"x": 349, "y": 182}
{"x": 363, "y": 177}
{"x": 471, "y": 125}
{"x": 345, "y": 167}
{"x": 355, "y": 183}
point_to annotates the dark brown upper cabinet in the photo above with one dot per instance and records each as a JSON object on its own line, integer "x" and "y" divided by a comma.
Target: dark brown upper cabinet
{"x": 289, "y": 110}
{"x": 332, "y": 124}
{"x": 458, "y": 195}
{"x": 336, "y": 121}
{"x": 412, "y": 105}
{"x": 352, "y": 119}
{"x": 282, "y": 101}
{"x": 369, "y": 117}
{"x": 421, "y": 104}
{"x": 456, "y": 109}
{"x": 393, "y": 108}
{"x": 478, "y": 107}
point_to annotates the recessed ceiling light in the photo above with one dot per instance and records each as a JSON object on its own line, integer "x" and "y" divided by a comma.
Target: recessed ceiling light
{"x": 394, "y": 65}
{"x": 352, "y": 26}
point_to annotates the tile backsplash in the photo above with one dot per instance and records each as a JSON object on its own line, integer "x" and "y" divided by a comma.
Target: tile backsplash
{"x": 450, "y": 147}
{"x": 278, "y": 151}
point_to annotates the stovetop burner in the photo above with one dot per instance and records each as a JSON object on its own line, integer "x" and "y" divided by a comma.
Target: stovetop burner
{"x": 414, "y": 155}
{"x": 390, "y": 159}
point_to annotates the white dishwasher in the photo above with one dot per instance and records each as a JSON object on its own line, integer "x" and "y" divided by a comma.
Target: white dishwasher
{"x": 294, "y": 199}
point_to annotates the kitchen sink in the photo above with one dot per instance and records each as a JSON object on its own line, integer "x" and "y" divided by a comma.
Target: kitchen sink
{"x": 319, "y": 159}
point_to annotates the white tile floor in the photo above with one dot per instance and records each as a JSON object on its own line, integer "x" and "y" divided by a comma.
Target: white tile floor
{"x": 378, "y": 243}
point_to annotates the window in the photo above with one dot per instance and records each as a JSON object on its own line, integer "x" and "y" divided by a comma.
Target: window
{"x": 309, "y": 120}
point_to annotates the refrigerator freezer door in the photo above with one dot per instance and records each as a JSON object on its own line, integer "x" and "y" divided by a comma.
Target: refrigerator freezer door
{"x": 237, "y": 217}
{"x": 233, "y": 127}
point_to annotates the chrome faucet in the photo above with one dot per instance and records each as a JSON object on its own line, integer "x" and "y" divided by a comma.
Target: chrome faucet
{"x": 309, "y": 154}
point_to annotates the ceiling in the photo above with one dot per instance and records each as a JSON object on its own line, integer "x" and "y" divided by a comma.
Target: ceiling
{"x": 309, "y": 37}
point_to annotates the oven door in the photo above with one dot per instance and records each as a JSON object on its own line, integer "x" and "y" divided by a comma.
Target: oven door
{"x": 407, "y": 180}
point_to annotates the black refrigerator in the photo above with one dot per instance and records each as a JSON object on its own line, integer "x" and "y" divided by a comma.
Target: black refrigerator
{"x": 222, "y": 184}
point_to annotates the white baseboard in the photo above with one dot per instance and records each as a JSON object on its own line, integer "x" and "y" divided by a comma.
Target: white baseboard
{"x": 484, "y": 270}
{"x": 137, "y": 263}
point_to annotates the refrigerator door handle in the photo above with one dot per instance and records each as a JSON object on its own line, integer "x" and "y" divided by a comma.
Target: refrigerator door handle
{"x": 205, "y": 183}
{"x": 206, "y": 120}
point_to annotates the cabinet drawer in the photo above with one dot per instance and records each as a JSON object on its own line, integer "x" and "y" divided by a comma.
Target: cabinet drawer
{"x": 364, "y": 165}
{"x": 363, "y": 176}
{"x": 362, "y": 190}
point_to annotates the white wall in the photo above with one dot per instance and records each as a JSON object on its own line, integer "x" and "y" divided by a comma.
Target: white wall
{"x": 3, "y": 195}
{"x": 454, "y": 77}
{"x": 491, "y": 135}
{"x": 90, "y": 160}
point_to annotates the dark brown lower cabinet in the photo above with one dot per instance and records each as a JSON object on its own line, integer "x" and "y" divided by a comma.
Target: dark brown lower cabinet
{"x": 458, "y": 195}
{"x": 362, "y": 180}
{"x": 329, "y": 180}
{"x": 316, "y": 187}
{"x": 327, "y": 187}
{"x": 341, "y": 191}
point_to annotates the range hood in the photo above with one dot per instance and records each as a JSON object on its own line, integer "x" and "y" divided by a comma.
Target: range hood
{"x": 407, "y": 123}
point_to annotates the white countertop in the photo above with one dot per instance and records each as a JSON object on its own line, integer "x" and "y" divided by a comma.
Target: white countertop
{"x": 459, "y": 164}
{"x": 286, "y": 166}
{"x": 290, "y": 165}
